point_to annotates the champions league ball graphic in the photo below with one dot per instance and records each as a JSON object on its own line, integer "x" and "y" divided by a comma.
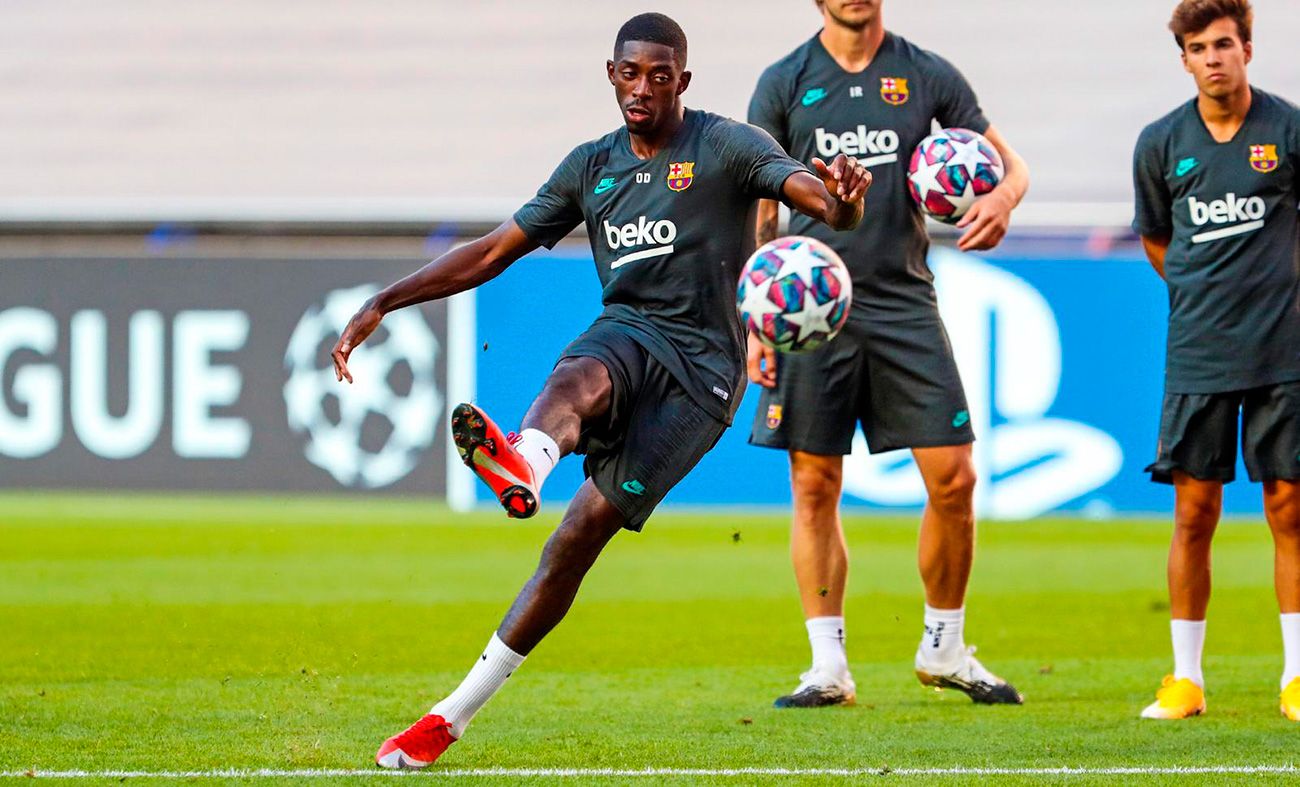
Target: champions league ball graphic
{"x": 371, "y": 433}
{"x": 950, "y": 170}
{"x": 795, "y": 294}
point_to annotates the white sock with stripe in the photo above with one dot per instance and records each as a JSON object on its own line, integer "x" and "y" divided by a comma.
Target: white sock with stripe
{"x": 489, "y": 673}
{"x": 541, "y": 452}
{"x": 942, "y": 642}
{"x": 826, "y": 635}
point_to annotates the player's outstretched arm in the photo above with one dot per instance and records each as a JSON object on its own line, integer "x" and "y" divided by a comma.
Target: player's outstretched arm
{"x": 1155, "y": 246}
{"x": 460, "y": 269}
{"x": 834, "y": 195}
{"x": 987, "y": 221}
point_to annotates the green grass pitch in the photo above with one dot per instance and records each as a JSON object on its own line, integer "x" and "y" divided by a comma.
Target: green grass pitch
{"x": 155, "y": 634}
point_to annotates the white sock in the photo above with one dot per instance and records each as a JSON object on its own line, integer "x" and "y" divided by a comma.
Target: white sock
{"x": 541, "y": 452}
{"x": 1189, "y": 642}
{"x": 1290, "y": 647}
{"x": 489, "y": 673}
{"x": 826, "y": 635}
{"x": 942, "y": 642}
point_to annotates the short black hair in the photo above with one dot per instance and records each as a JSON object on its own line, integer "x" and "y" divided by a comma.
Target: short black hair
{"x": 655, "y": 29}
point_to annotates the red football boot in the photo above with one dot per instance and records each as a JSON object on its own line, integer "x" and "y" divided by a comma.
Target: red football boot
{"x": 421, "y": 744}
{"x": 491, "y": 454}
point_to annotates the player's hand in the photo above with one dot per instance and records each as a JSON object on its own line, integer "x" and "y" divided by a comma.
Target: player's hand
{"x": 845, "y": 177}
{"x": 362, "y": 324}
{"x": 761, "y": 363}
{"x": 986, "y": 222}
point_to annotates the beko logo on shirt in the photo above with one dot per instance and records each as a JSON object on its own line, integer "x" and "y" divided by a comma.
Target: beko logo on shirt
{"x": 1245, "y": 214}
{"x": 878, "y": 146}
{"x": 641, "y": 232}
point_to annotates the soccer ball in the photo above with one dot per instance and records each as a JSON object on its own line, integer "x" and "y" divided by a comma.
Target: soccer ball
{"x": 795, "y": 294}
{"x": 950, "y": 170}
{"x": 373, "y": 433}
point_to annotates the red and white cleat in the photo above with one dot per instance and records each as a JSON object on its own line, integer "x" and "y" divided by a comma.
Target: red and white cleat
{"x": 417, "y": 747}
{"x": 491, "y": 454}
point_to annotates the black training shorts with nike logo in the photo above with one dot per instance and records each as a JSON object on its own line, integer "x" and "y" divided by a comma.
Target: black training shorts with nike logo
{"x": 898, "y": 380}
{"x": 892, "y": 367}
{"x": 654, "y": 432}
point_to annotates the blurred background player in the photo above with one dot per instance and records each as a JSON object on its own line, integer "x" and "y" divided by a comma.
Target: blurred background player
{"x": 892, "y": 369}
{"x": 1216, "y": 193}
{"x": 653, "y": 383}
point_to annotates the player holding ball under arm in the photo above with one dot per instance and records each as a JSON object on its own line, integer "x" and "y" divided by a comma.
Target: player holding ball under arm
{"x": 857, "y": 88}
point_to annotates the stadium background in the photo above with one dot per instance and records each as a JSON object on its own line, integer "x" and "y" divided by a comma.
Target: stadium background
{"x": 138, "y": 132}
{"x": 191, "y": 195}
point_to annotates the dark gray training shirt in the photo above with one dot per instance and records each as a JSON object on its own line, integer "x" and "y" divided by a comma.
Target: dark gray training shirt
{"x": 1233, "y": 264}
{"x": 669, "y": 236}
{"x": 813, "y": 107}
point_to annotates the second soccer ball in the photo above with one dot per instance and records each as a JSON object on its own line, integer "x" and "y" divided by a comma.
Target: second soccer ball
{"x": 950, "y": 170}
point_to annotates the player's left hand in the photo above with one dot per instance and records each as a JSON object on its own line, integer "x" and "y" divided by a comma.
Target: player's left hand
{"x": 986, "y": 222}
{"x": 845, "y": 177}
{"x": 362, "y": 324}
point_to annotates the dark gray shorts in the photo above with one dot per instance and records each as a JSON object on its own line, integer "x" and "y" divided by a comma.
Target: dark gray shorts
{"x": 898, "y": 379}
{"x": 654, "y": 432}
{"x": 1198, "y": 435}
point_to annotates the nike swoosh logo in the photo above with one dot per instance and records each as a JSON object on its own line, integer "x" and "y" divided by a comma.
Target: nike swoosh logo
{"x": 1185, "y": 166}
{"x": 813, "y": 96}
{"x": 604, "y": 186}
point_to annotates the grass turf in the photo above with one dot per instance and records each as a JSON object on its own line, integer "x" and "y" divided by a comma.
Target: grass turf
{"x": 204, "y": 633}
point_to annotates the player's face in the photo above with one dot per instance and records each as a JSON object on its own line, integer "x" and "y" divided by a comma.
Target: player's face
{"x": 647, "y": 81}
{"x": 853, "y": 14}
{"x": 1217, "y": 58}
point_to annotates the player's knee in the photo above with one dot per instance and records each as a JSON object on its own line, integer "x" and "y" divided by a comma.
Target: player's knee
{"x": 1195, "y": 518}
{"x": 583, "y": 381}
{"x": 954, "y": 493}
{"x": 816, "y": 484}
{"x": 1282, "y": 510}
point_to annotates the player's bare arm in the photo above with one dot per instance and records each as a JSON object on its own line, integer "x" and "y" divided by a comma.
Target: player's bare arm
{"x": 834, "y": 196}
{"x": 760, "y": 360}
{"x": 1155, "y": 248}
{"x": 766, "y": 216}
{"x": 460, "y": 269}
{"x": 987, "y": 221}
{"x": 760, "y": 363}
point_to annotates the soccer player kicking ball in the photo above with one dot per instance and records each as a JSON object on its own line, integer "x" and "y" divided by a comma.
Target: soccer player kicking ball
{"x": 1217, "y": 181}
{"x": 652, "y": 384}
{"x": 856, "y": 88}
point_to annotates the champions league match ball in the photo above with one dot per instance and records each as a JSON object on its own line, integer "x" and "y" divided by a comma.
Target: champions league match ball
{"x": 795, "y": 294}
{"x": 950, "y": 170}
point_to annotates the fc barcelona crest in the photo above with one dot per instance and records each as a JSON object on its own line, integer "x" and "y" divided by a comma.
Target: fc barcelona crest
{"x": 680, "y": 175}
{"x": 893, "y": 90}
{"x": 1263, "y": 158}
{"x": 773, "y": 416}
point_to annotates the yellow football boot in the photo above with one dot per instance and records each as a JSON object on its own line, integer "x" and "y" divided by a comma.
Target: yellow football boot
{"x": 1291, "y": 700}
{"x": 1180, "y": 699}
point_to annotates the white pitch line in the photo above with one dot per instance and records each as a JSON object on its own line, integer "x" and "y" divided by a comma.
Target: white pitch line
{"x": 328, "y": 773}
